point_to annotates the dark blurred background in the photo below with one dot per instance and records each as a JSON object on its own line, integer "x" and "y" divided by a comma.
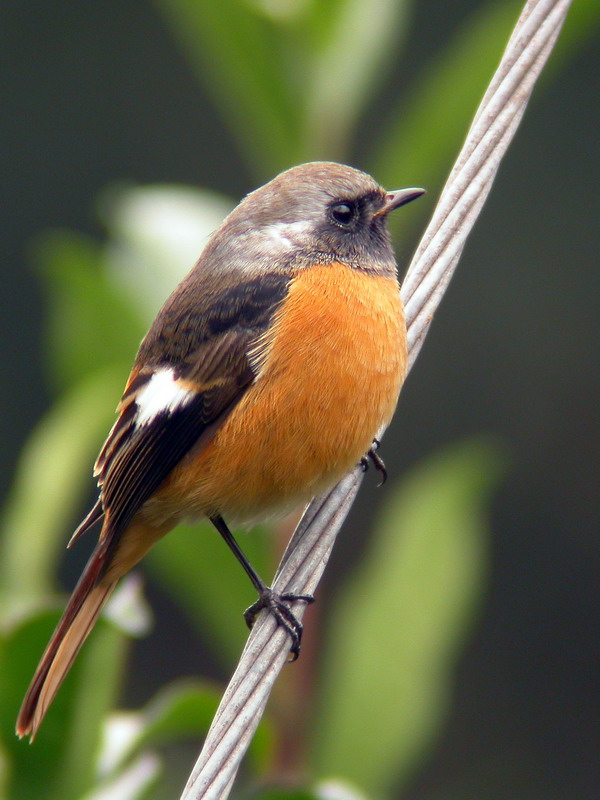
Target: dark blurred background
{"x": 97, "y": 91}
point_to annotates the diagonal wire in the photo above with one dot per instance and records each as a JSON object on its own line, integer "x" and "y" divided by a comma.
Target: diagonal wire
{"x": 426, "y": 280}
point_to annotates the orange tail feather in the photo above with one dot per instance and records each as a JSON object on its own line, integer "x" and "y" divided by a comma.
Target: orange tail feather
{"x": 77, "y": 621}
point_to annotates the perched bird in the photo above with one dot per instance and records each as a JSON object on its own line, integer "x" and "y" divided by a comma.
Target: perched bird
{"x": 263, "y": 380}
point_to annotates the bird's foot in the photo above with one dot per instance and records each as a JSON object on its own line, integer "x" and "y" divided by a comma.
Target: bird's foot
{"x": 377, "y": 462}
{"x": 276, "y": 606}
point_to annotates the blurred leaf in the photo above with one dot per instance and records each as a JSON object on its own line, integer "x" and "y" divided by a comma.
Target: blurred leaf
{"x": 156, "y": 236}
{"x": 292, "y": 77}
{"x": 428, "y": 127}
{"x": 337, "y": 790}
{"x": 580, "y": 28}
{"x": 282, "y": 793}
{"x": 54, "y": 469}
{"x": 345, "y": 65}
{"x": 282, "y": 11}
{"x": 241, "y": 55}
{"x": 419, "y": 143}
{"x": 325, "y": 790}
{"x": 90, "y": 324}
{"x": 94, "y": 694}
{"x": 133, "y": 783}
{"x": 182, "y": 710}
{"x": 199, "y": 571}
{"x": 401, "y": 621}
{"x": 4, "y": 772}
{"x": 61, "y": 763}
{"x": 127, "y": 607}
{"x": 32, "y": 768}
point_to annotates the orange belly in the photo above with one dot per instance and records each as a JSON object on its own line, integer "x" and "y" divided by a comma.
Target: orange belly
{"x": 333, "y": 370}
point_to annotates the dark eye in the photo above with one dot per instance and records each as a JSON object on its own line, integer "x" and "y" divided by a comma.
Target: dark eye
{"x": 344, "y": 214}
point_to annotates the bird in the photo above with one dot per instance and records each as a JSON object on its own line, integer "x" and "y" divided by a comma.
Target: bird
{"x": 269, "y": 372}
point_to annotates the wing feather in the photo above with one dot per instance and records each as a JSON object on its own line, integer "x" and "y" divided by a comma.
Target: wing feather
{"x": 209, "y": 347}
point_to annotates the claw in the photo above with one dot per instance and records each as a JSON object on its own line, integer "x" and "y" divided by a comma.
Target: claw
{"x": 377, "y": 462}
{"x": 284, "y": 616}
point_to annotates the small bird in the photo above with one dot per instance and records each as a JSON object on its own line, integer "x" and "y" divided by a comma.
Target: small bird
{"x": 265, "y": 377}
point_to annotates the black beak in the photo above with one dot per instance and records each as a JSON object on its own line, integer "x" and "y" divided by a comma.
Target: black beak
{"x": 398, "y": 198}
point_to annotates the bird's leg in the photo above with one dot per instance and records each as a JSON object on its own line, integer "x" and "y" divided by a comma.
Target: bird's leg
{"x": 377, "y": 461}
{"x": 267, "y": 598}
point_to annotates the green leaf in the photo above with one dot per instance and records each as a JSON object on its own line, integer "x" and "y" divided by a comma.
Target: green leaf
{"x": 580, "y": 28}
{"x": 62, "y": 761}
{"x": 287, "y": 793}
{"x": 182, "y": 710}
{"x": 198, "y": 569}
{"x": 100, "y": 671}
{"x": 417, "y": 145}
{"x": 426, "y": 130}
{"x": 400, "y": 623}
{"x": 53, "y": 471}
{"x": 324, "y": 790}
{"x": 31, "y": 768}
{"x": 91, "y": 325}
{"x": 127, "y": 607}
{"x": 178, "y": 711}
{"x": 157, "y": 233}
{"x": 133, "y": 783}
{"x": 4, "y": 772}
{"x": 337, "y": 790}
{"x": 243, "y": 56}
{"x": 352, "y": 41}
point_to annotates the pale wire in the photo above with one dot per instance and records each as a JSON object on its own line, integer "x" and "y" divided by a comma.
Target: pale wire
{"x": 307, "y": 554}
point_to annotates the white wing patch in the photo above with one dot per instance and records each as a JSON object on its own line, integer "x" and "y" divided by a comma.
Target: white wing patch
{"x": 162, "y": 394}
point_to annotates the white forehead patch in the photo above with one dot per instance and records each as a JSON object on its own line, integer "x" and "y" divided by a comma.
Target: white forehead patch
{"x": 162, "y": 394}
{"x": 284, "y": 233}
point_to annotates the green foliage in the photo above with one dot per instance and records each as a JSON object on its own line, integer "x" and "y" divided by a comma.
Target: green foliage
{"x": 397, "y": 628}
{"x": 81, "y": 338}
{"x": 198, "y": 570}
{"x": 429, "y": 126}
{"x": 293, "y": 79}
{"x": 50, "y": 479}
{"x": 62, "y": 762}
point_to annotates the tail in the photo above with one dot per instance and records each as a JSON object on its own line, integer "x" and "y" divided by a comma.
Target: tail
{"x": 87, "y": 600}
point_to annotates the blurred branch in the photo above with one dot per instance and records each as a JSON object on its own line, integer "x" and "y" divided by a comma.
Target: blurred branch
{"x": 428, "y": 276}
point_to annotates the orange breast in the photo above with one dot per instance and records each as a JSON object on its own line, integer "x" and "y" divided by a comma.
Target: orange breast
{"x": 334, "y": 366}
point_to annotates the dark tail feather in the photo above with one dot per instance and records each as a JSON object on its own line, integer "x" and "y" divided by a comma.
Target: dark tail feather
{"x": 94, "y": 516}
{"x": 77, "y": 621}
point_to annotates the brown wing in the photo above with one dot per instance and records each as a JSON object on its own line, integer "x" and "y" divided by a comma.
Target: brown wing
{"x": 205, "y": 345}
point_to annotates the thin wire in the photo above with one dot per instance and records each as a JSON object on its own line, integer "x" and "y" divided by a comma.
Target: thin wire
{"x": 426, "y": 280}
